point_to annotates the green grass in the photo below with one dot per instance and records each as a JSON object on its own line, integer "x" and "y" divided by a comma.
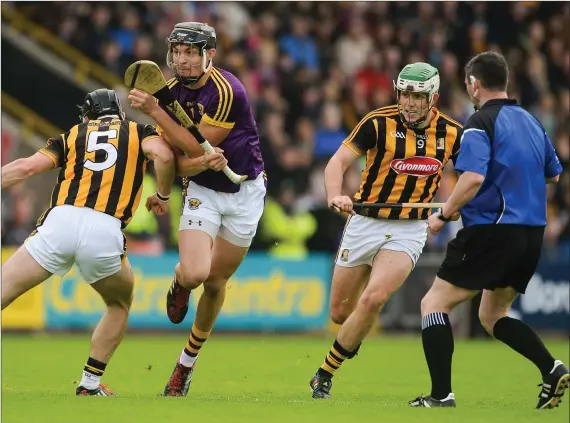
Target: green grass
{"x": 265, "y": 379}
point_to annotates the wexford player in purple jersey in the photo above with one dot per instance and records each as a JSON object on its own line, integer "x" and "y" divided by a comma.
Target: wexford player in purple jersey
{"x": 219, "y": 219}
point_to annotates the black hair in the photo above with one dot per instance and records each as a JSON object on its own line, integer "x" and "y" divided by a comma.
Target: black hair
{"x": 491, "y": 69}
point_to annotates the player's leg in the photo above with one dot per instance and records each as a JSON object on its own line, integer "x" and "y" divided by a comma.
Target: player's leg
{"x": 20, "y": 273}
{"x": 390, "y": 249}
{"x": 459, "y": 278}
{"x": 480, "y": 257}
{"x": 389, "y": 271}
{"x": 199, "y": 225}
{"x": 226, "y": 258}
{"x": 437, "y": 339}
{"x": 347, "y": 283}
{"x": 117, "y": 293}
{"x": 240, "y": 214}
{"x": 101, "y": 259}
{"x": 195, "y": 249}
{"x": 347, "y": 286}
{"x": 49, "y": 250}
{"x": 493, "y": 314}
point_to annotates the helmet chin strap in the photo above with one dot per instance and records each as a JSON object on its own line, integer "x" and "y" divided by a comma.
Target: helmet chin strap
{"x": 417, "y": 122}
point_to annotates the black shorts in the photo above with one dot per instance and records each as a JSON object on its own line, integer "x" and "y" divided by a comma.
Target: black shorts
{"x": 492, "y": 256}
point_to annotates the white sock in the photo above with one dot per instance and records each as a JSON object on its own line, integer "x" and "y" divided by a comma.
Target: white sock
{"x": 186, "y": 360}
{"x": 89, "y": 380}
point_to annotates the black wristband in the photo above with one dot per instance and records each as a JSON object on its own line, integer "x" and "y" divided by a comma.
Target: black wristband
{"x": 440, "y": 216}
{"x": 162, "y": 197}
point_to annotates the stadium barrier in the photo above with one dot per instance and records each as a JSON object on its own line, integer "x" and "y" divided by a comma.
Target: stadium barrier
{"x": 264, "y": 295}
{"x": 267, "y": 294}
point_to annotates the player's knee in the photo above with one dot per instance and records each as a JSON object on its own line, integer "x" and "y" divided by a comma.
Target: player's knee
{"x": 215, "y": 288}
{"x": 488, "y": 318}
{"x": 192, "y": 277}
{"x": 121, "y": 298}
{"x": 373, "y": 301}
{"x": 126, "y": 301}
{"x": 427, "y": 305}
{"x": 339, "y": 315}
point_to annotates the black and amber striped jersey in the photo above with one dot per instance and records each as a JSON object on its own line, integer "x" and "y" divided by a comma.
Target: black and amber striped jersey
{"x": 102, "y": 166}
{"x": 403, "y": 165}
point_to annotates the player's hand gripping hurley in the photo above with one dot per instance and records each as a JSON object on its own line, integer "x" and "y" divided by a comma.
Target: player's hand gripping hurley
{"x": 145, "y": 75}
{"x": 336, "y": 208}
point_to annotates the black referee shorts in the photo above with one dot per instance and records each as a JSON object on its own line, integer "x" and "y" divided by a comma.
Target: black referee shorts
{"x": 492, "y": 256}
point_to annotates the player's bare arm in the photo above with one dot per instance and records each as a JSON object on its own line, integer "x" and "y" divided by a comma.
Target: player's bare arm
{"x": 334, "y": 173}
{"x": 553, "y": 180}
{"x": 157, "y": 150}
{"x": 176, "y": 134}
{"x": 190, "y": 166}
{"x": 21, "y": 169}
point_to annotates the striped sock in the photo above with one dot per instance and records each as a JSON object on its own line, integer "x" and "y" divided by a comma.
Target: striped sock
{"x": 92, "y": 373}
{"x": 189, "y": 354}
{"x": 334, "y": 359}
{"x": 437, "y": 338}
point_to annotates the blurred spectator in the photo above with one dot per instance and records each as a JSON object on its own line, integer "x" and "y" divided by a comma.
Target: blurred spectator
{"x": 126, "y": 33}
{"x": 286, "y": 229}
{"x": 353, "y": 48}
{"x": 300, "y": 45}
{"x": 330, "y": 134}
{"x": 17, "y": 215}
{"x": 96, "y": 32}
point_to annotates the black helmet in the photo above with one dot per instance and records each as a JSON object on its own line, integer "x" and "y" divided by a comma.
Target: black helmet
{"x": 99, "y": 103}
{"x": 197, "y": 34}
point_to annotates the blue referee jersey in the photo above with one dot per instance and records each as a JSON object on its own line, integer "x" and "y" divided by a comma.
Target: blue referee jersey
{"x": 507, "y": 145}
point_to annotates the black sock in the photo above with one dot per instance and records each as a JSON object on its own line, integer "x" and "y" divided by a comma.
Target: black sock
{"x": 437, "y": 339}
{"x": 355, "y": 352}
{"x": 95, "y": 367}
{"x": 523, "y": 340}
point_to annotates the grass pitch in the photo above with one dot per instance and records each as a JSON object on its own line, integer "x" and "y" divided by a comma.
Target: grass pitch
{"x": 265, "y": 379}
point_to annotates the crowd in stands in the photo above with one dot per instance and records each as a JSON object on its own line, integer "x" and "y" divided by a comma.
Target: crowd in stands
{"x": 314, "y": 69}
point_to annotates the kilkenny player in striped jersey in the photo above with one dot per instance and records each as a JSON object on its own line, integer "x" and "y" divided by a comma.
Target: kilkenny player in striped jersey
{"x": 98, "y": 189}
{"x": 406, "y": 147}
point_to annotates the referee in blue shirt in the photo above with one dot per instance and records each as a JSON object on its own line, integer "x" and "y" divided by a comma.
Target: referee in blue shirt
{"x": 505, "y": 161}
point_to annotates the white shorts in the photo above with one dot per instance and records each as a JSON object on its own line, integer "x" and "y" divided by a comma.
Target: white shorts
{"x": 91, "y": 239}
{"x": 233, "y": 216}
{"x": 364, "y": 236}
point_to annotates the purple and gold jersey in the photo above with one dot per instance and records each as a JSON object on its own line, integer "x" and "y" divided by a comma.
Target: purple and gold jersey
{"x": 223, "y": 102}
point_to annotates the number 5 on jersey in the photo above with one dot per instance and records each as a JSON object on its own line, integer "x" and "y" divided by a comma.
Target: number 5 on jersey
{"x": 97, "y": 141}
